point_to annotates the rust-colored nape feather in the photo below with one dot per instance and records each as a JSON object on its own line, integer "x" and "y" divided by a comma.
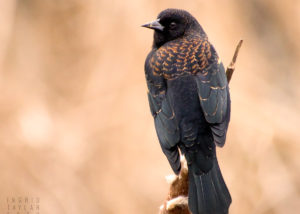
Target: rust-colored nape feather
{"x": 187, "y": 56}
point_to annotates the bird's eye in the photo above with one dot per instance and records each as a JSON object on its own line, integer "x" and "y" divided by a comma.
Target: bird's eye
{"x": 172, "y": 25}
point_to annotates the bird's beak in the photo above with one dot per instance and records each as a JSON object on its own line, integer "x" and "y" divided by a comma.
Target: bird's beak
{"x": 155, "y": 25}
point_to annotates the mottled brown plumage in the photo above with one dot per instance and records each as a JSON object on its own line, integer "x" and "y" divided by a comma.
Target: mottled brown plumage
{"x": 181, "y": 56}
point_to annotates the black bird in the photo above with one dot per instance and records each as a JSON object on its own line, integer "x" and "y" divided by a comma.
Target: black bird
{"x": 189, "y": 100}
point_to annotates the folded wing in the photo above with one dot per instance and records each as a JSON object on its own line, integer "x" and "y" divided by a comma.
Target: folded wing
{"x": 214, "y": 97}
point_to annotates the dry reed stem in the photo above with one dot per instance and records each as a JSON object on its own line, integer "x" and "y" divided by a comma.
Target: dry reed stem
{"x": 231, "y": 66}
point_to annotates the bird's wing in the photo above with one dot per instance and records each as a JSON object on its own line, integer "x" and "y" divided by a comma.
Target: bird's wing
{"x": 213, "y": 93}
{"x": 164, "y": 117}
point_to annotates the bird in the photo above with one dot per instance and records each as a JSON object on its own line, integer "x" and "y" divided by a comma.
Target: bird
{"x": 189, "y": 100}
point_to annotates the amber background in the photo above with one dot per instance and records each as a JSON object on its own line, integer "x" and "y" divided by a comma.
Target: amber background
{"x": 75, "y": 126}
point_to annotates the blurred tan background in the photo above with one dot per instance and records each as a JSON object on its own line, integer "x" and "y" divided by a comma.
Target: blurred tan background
{"x": 76, "y": 129}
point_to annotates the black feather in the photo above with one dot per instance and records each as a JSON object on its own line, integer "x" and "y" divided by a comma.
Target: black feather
{"x": 211, "y": 195}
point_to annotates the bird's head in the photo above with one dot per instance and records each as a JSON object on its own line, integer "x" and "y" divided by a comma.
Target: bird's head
{"x": 172, "y": 24}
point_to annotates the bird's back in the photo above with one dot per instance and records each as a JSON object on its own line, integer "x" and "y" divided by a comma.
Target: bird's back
{"x": 178, "y": 62}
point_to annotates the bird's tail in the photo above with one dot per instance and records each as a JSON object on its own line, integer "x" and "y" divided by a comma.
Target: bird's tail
{"x": 208, "y": 193}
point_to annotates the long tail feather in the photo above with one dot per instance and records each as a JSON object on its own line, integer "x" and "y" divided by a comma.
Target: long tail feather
{"x": 208, "y": 193}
